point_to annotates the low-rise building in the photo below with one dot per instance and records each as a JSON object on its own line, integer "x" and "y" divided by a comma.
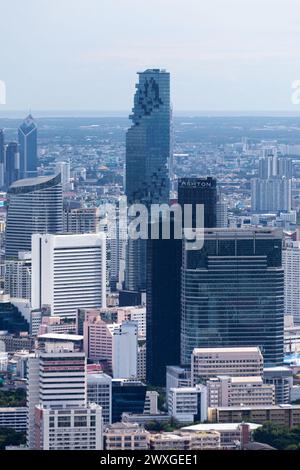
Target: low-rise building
{"x": 78, "y": 428}
{"x": 14, "y": 418}
{"x": 125, "y": 436}
{"x": 283, "y": 415}
{"x": 232, "y": 435}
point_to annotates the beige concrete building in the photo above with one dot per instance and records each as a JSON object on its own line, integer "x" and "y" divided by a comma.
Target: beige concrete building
{"x": 125, "y": 436}
{"x": 233, "y": 362}
{"x": 284, "y": 415}
{"x": 234, "y": 391}
{"x": 185, "y": 441}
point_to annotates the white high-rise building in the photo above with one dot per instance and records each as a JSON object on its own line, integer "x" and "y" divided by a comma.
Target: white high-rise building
{"x": 124, "y": 349}
{"x": 68, "y": 272}
{"x": 64, "y": 169}
{"x": 18, "y": 276}
{"x": 59, "y": 416}
{"x": 56, "y": 377}
{"x": 291, "y": 265}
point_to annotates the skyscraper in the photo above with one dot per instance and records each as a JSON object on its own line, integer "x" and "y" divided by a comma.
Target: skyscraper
{"x": 68, "y": 272}
{"x": 163, "y": 307}
{"x": 59, "y": 417}
{"x": 164, "y": 261}
{"x": 291, "y": 264}
{"x": 34, "y": 206}
{"x": 11, "y": 164}
{"x": 233, "y": 293}
{"x": 199, "y": 191}
{"x": 2, "y": 156}
{"x": 148, "y": 142}
{"x": 27, "y": 134}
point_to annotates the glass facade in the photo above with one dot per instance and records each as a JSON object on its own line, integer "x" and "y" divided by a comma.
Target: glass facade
{"x": 199, "y": 191}
{"x": 34, "y": 206}
{"x": 127, "y": 397}
{"x": 232, "y": 293}
{"x": 147, "y": 160}
{"x": 27, "y": 134}
{"x": 163, "y": 307}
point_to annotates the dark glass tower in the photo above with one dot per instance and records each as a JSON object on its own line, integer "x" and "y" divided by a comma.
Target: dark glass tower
{"x": 2, "y": 157}
{"x": 11, "y": 166}
{"x": 27, "y": 134}
{"x": 34, "y": 206}
{"x": 147, "y": 159}
{"x": 163, "y": 307}
{"x": 233, "y": 293}
{"x": 200, "y": 191}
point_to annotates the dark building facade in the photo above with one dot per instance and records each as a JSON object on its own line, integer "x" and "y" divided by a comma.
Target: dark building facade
{"x": 128, "y": 396}
{"x": 233, "y": 293}
{"x": 162, "y": 307}
{"x": 12, "y": 164}
{"x": 148, "y": 143}
{"x": 27, "y": 134}
{"x": 199, "y": 191}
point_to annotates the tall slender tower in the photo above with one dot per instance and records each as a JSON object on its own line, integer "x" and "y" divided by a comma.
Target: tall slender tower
{"x": 148, "y": 143}
{"x": 27, "y": 134}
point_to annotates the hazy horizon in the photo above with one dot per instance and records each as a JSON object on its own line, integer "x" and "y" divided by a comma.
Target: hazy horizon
{"x": 84, "y": 54}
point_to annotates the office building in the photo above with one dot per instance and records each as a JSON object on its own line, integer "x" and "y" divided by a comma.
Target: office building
{"x": 18, "y": 277}
{"x": 64, "y": 169}
{"x": 34, "y": 206}
{"x": 233, "y": 293}
{"x": 125, "y": 436}
{"x": 188, "y": 404}
{"x": 234, "y": 391}
{"x": 233, "y": 362}
{"x": 271, "y": 195}
{"x": 56, "y": 377}
{"x": 2, "y": 158}
{"x": 81, "y": 220}
{"x": 99, "y": 391}
{"x": 177, "y": 377}
{"x": 291, "y": 265}
{"x": 13, "y": 418}
{"x": 282, "y": 415}
{"x": 128, "y": 396}
{"x": 201, "y": 191}
{"x": 68, "y": 429}
{"x": 148, "y": 151}
{"x": 11, "y": 164}
{"x": 68, "y": 272}
{"x": 163, "y": 306}
{"x": 27, "y": 135}
{"x": 113, "y": 344}
{"x": 151, "y": 402}
{"x": 282, "y": 379}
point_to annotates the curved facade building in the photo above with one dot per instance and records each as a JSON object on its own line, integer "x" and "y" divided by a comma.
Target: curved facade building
{"x": 35, "y": 205}
{"x": 233, "y": 293}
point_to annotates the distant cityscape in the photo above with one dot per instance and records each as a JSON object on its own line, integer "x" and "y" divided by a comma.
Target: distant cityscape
{"x": 115, "y": 343}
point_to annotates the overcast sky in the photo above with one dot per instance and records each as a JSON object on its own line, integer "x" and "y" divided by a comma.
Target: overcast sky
{"x": 84, "y": 54}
